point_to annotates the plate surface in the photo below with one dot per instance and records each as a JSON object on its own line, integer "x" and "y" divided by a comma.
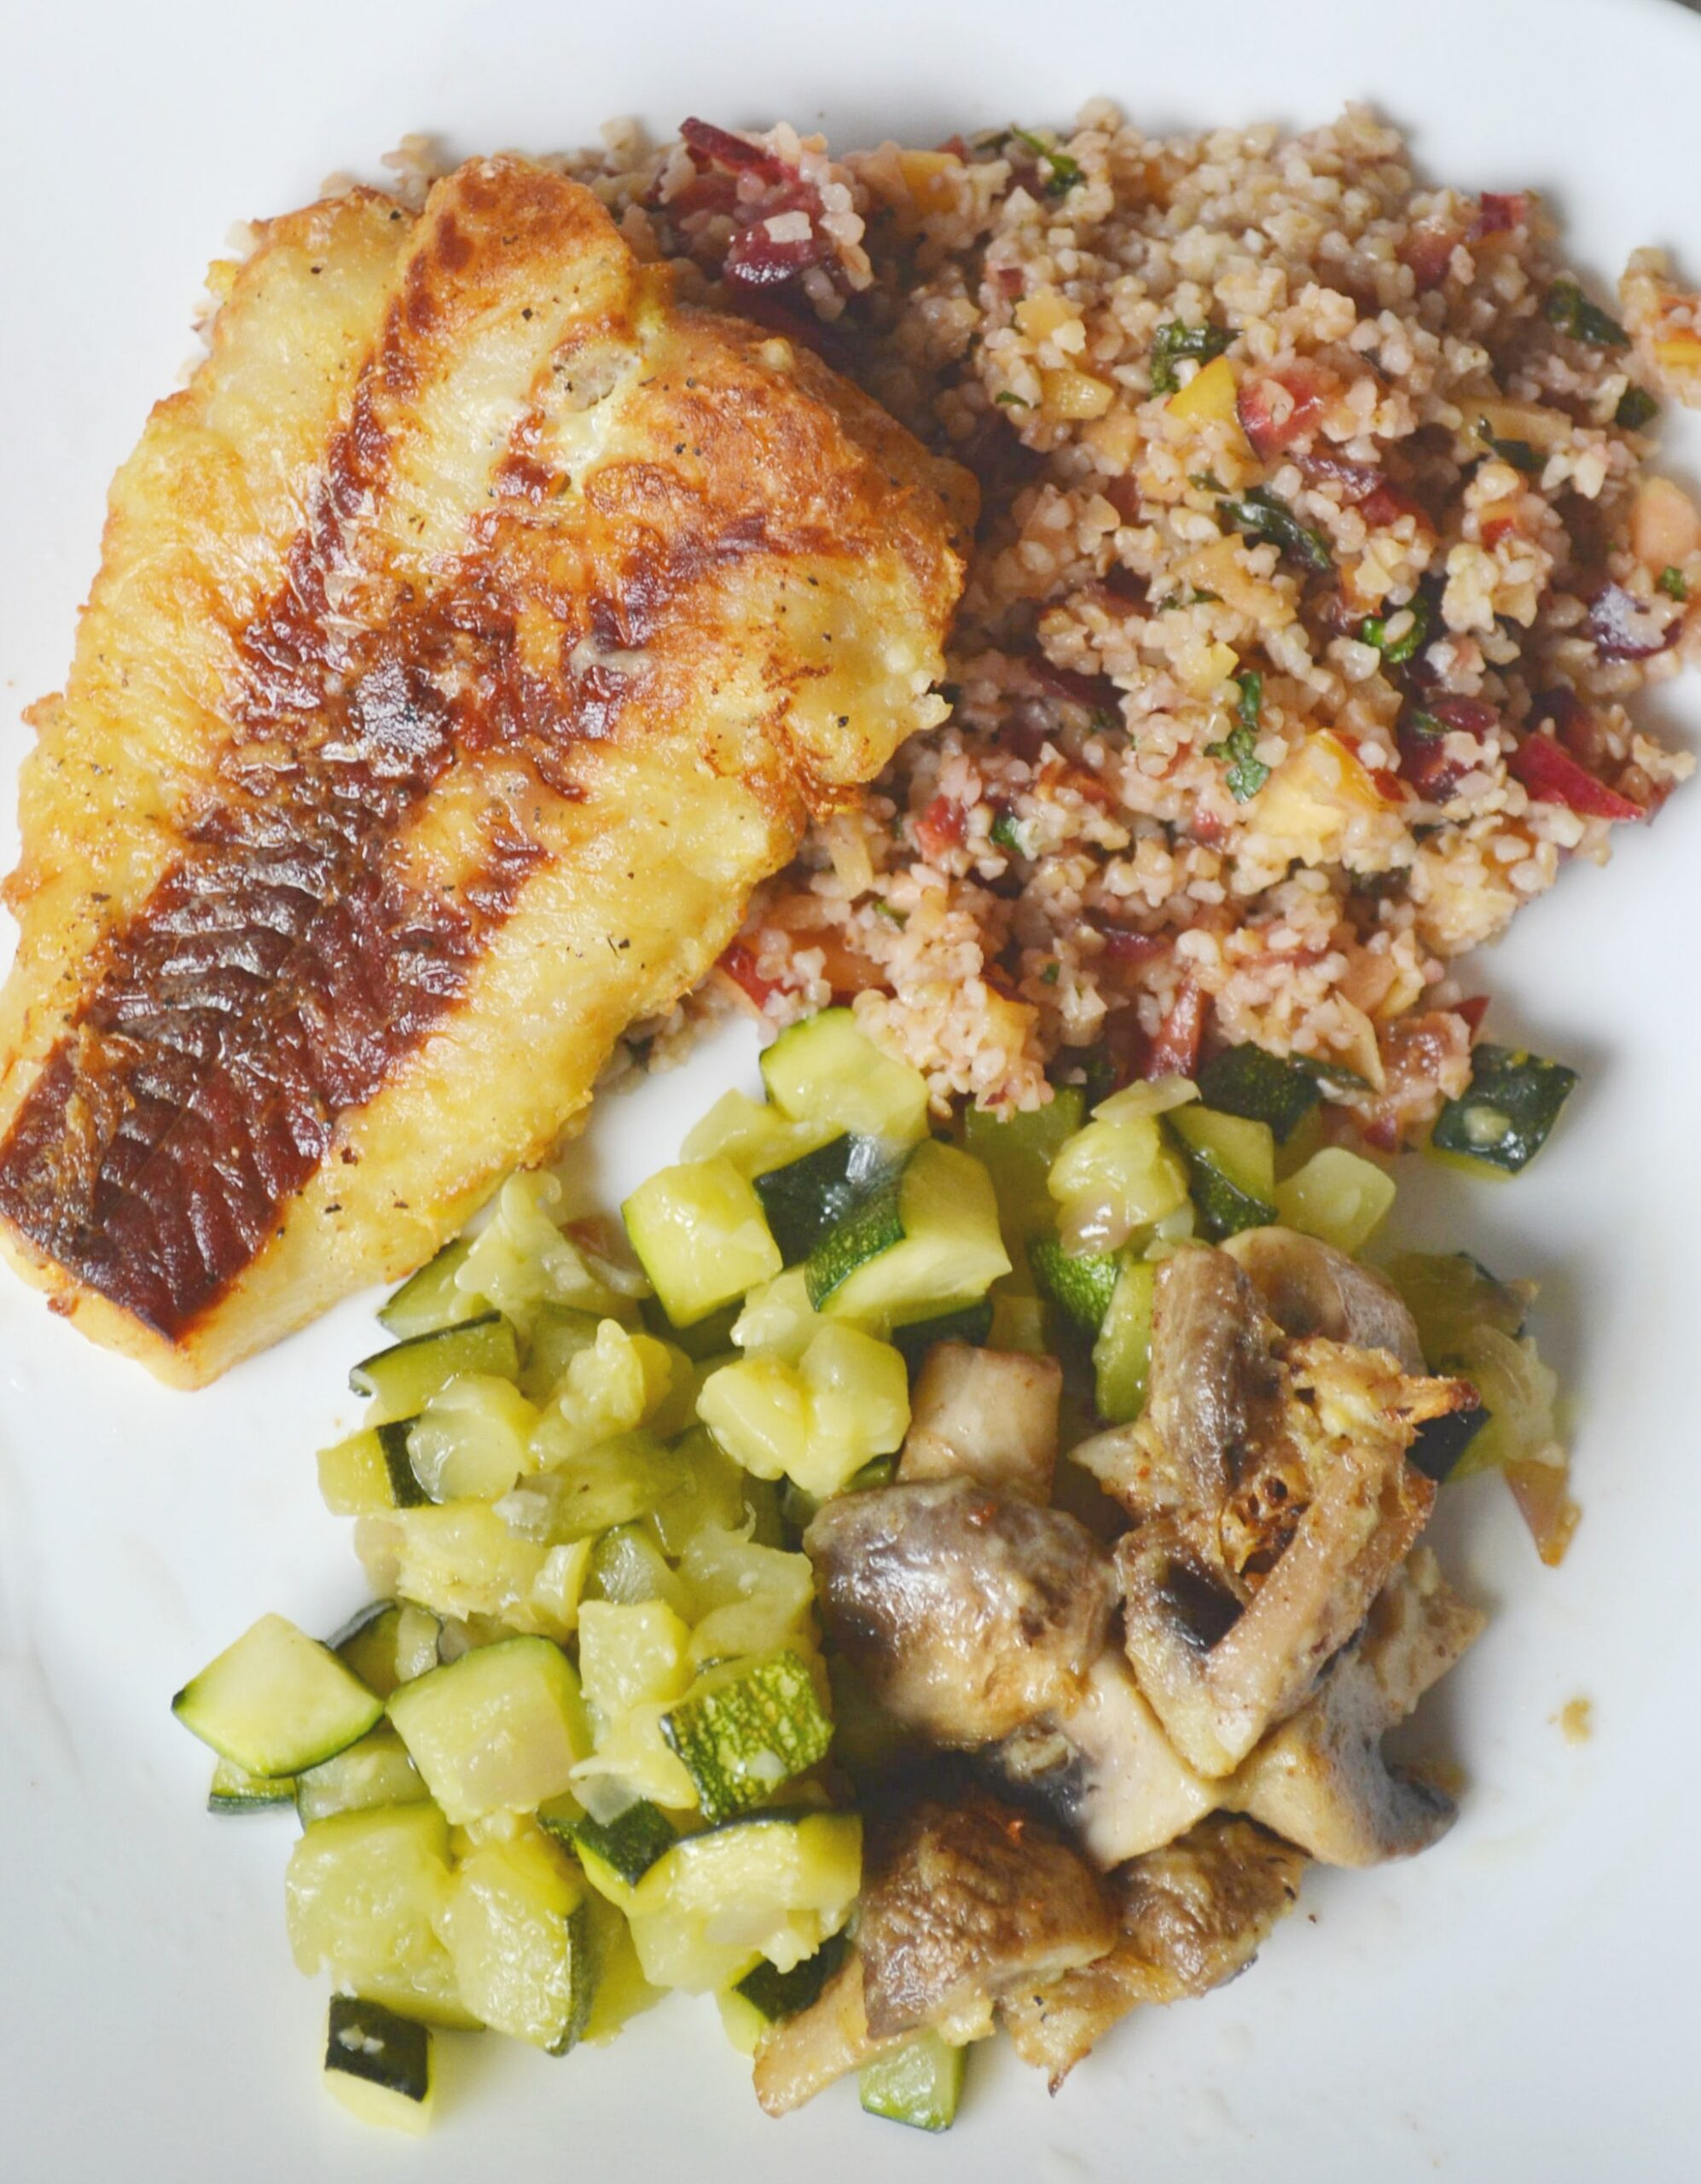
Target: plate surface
{"x": 1519, "y": 2004}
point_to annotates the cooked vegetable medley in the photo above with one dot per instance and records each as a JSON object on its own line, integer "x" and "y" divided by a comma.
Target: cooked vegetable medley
{"x": 858, "y": 1601}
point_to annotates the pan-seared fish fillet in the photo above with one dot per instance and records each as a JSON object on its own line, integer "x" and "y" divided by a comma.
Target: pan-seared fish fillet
{"x": 473, "y": 634}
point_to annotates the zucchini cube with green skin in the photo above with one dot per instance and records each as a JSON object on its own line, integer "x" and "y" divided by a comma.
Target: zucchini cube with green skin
{"x": 1080, "y": 1284}
{"x": 817, "y": 1422}
{"x": 233, "y": 1790}
{"x": 276, "y": 1702}
{"x": 376, "y": 1771}
{"x": 369, "y": 1470}
{"x": 919, "y": 2083}
{"x": 470, "y": 1442}
{"x": 1117, "y": 1174}
{"x": 809, "y": 1196}
{"x": 924, "y": 1241}
{"x": 1507, "y": 1112}
{"x": 499, "y": 1730}
{"x": 754, "y": 1135}
{"x": 1265, "y": 1088}
{"x": 431, "y": 1299}
{"x": 699, "y": 1231}
{"x": 378, "y": 2064}
{"x": 515, "y": 1928}
{"x": 1337, "y": 1197}
{"x": 827, "y": 1071}
{"x": 746, "y": 1727}
{"x": 1231, "y": 1170}
{"x": 1122, "y": 1355}
{"x": 1017, "y": 1152}
{"x": 401, "y": 1380}
{"x": 773, "y": 1887}
{"x": 362, "y": 1894}
{"x": 616, "y": 1853}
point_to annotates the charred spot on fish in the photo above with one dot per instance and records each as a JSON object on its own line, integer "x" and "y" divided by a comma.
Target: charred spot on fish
{"x": 1203, "y": 1611}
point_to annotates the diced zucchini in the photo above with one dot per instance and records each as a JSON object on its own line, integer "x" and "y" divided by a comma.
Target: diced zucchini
{"x": 752, "y": 1598}
{"x": 276, "y": 1702}
{"x": 622, "y": 1991}
{"x": 1017, "y": 1152}
{"x": 746, "y": 1727}
{"x": 589, "y": 1493}
{"x": 925, "y": 1241}
{"x": 1265, "y": 1088}
{"x": 919, "y": 2083}
{"x": 1518, "y": 1392}
{"x": 629, "y": 1654}
{"x": 627, "y": 1566}
{"x": 616, "y": 1853}
{"x": 1121, "y": 1355}
{"x": 1440, "y": 1442}
{"x": 1080, "y": 1284}
{"x": 773, "y": 1887}
{"x": 471, "y": 1442}
{"x": 754, "y": 1135}
{"x": 1506, "y": 1116}
{"x": 699, "y": 1230}
{"x": 824, "y": 1070}
{"x": 378, "y": 2065}
{"x": 1116, "y": 1176}
{"x": 1231, "y": 1170}
{"x": 362, "y": 1894}
{"x": 774, "y": 1995}
{"x": 708, "y": 1491}
{"x": 369, "y": 1470}
{"x": 1145, "y": 1099}
{"x": 1021, "y": 1323}
{"x": 709, "y": 1337}
{"x": 233, "y": 1790}
{"x": 1450, "y": 1294}
{"x": 778, "y": 1319}
{"x": 1337, "y": 1196}
{"x": 431, "y": 1299}
{"x": 972, "y": 1324}
{"x": 499, "y": 1730}
{"x": 463, "y": 1560}
{"x": 402, "y": 1379}
{"x": 620, "y": 1381}
{"x": 376, "y": 1771}
{"x": 521, "y": 1262}
{"x": 817, "y": 1422}
{"x": 807, "y": 1197}
{"x": 557, "y": 1334}
{"x": 517, "y": 1932}
{"x": 366, "y": 1644}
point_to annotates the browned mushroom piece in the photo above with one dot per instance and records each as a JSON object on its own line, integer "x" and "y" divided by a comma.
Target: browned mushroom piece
{"x": 1192, "y": 1916}
{"x": 986, "y": 1414}
{"x": 1230, "y": 1616}
{"x": 1308, "y": 1288}
{"x": 1321, "y": 1779}
{"x": 965, "y": 1899}
{"x": 1104, "y": 1769}
{"x": 965, "y": 1612}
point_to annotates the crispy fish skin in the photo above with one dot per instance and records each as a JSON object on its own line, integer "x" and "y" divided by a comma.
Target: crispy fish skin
{"x": 473, "y": 634}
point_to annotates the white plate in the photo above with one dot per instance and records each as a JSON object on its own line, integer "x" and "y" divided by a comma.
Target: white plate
{"x": 1520, "y": 2004}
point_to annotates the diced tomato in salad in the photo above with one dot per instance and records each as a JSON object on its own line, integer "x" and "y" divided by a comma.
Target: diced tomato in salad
{"x": 1553, "y": 775}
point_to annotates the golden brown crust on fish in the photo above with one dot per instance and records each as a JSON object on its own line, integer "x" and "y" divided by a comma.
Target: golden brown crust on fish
{"x": 473, "y": 633}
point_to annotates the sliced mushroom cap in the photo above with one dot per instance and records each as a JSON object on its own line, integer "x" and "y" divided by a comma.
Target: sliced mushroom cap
{"x": 986, "y": 1414}
{"x": 963, "y": 1900}
{"x": 1192, "y": 1916}
{"x": 1321, "y": 1779}
{"x": 1105, "y": 1770}
{"x": 1214, "y": 1379}
{"x": 1308, "y": 1288}
{"x": 966, "y": 1612}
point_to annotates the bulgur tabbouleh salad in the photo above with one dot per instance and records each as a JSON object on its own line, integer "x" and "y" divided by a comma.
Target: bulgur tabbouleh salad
{"x": 1319, "y": 561}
